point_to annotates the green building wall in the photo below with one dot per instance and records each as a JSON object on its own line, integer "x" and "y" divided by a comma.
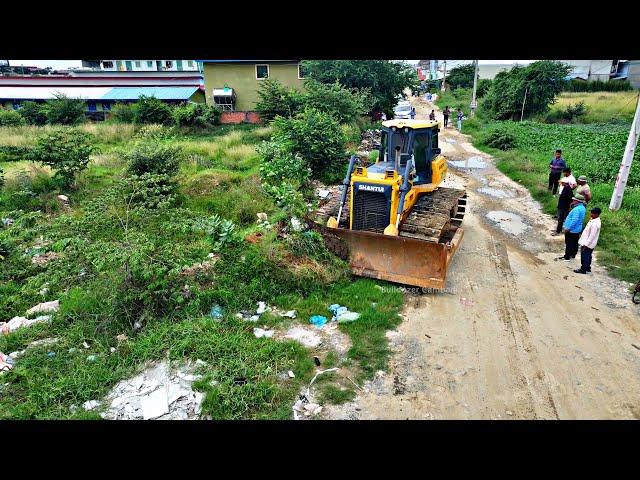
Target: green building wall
{"x": 242, "y": 78}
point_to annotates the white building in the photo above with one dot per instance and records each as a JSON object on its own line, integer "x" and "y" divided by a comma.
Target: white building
{"x": 143, "y": 65}
{"x": 591, "y": 69}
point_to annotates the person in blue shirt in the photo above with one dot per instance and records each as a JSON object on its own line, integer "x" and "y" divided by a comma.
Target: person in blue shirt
{"x": 556, "y": 166}
{"x": 572, "y": 227}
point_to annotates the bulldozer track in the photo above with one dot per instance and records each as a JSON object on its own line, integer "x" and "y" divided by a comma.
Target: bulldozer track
{"x": 434, "y": 216}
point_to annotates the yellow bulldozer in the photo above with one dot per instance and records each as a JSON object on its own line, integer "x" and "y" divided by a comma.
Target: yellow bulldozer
{"x": 393, "y": 220}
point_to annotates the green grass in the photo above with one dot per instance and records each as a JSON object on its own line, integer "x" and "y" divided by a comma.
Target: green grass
{"x": 601, "y": 106}
{"x": 99, "y": 301}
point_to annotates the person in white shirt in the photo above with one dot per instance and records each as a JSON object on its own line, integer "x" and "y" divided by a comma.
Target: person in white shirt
{"x": 568, "y": 179}
{"x": 589, "y": 240}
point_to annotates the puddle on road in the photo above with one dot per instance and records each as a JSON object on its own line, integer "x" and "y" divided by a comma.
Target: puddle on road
{"x": 475, "y": 161}
{"x": 509, "y": 222}
{"x": 495, "y": 192}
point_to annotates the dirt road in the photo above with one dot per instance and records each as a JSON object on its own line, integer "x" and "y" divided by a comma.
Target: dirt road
{"x": 515, "y": 334}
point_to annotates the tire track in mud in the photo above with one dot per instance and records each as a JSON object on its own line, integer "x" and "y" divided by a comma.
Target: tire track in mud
{"x": 538, "y": 402}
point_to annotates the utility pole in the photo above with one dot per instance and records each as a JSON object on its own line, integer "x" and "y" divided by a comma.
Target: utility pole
{"x": 625, "y": 166}
{"x": 523, "y": 102}
{"x": 475, "y": 84}
{"x": 444, "y": 78}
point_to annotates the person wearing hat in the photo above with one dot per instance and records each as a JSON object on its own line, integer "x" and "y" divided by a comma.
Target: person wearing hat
{"x": 584, "y": 189}
{"x": 588, "y": 241}
{"x": 572, "y": 227}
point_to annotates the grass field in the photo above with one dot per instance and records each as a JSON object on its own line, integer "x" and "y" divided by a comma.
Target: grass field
{"x": 593, "y": 149}
{"x": 602, "y": 107}
{"x": 125, "y": 271}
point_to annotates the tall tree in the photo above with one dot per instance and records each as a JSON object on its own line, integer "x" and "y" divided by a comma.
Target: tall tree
{"x": 461, "y": 77}
{"x": 384, "y": 79}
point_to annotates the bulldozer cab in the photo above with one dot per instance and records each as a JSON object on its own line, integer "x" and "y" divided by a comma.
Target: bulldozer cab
{"x": 417, "y": 138}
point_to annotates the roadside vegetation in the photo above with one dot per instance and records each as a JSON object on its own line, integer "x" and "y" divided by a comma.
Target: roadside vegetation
{"x": 591, "y": 128}
{"x": 141, "y": 230}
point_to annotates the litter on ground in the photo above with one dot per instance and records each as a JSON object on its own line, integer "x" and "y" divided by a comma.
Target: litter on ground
{"x": 52, "y": 306}
{"x": 18, "y": 322}
{"x": 216, "y": 312}
{"x": 259, "y": 333}
{"x": 342, "y": 314}
{"x": 318, "y": 320}
{"x": 6, "y": 362}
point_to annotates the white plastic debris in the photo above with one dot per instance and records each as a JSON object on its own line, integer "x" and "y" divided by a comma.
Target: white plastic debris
{"x": 323, "y": 193}
{"x": 259, "y": 333}
{"x": 18, "y": 322}
{"x": 52, "y": 306}
{"x": 290, "y": 314}
{"x": 262, "y": 307}
{"x": 90, "y": 405}
{"x": 254, "y": 318}
{"x": 85, "y": 345}
{"x": 63, "y": 198}
{"x": 348, "y": 317}
{"x": 112, "y": 349}
{"x": 6, "y": 362}
{"x": 291, "y": 374}
{"x": 262, "y": 217}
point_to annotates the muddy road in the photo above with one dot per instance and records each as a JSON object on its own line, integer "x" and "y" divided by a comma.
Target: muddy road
{"x": 515, "y": 334}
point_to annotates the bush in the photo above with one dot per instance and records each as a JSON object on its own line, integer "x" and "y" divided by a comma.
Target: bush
{"x": 13, "y": 153}
{"x": 483, "y": 87}
{"x": 461, "y": 77}
{"x": 65, "y": 151}
{"x": 574, "y": 111}
{"x": 500, "y": 139}
{"x": 152, "y": 110}
{"x": 124, "y": 112}
{"x": 576, "y": 85}
{"x": 155, "y": 132}
{"x": 65, "y": 111}
{"x": 313, "y": 135}
{"x": 196, "y": 115}
{"x": 10, "y": 118}
{"x": 277, "y": 166}
{"x": 34, "y": 113}
{"x": 148, "y": 157}
{"x": 342, "y": 104}
{"x": 277, "y": 100}
{"x": 219, "y": 231}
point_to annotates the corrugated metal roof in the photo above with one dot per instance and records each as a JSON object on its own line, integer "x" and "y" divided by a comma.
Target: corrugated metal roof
{"x": 47, "y": 93}
{"x": 161, "y": 93}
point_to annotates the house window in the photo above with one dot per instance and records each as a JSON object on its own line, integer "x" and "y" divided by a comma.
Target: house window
{"x": 262, "y": 72}
{"x": 300, "y": 72}
{"x": 149, "y": 63}
{"x": 179, "y": 65}
{"x": 106, "y": 106}
{"x": 92, "y": 106}
{"x": 190, "y": 63}
{"x": 137, "y": 63}
{"x": 107, "y": 64}
{"x": 168, "y": 64}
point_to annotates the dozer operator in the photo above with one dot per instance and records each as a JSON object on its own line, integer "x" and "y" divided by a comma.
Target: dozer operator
{"x": 393, "y": 220}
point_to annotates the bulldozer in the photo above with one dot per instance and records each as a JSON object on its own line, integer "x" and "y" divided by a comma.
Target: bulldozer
{"x": 393, "y": 221}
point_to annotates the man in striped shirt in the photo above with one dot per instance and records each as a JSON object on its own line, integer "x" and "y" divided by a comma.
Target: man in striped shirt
{"x": 589, "y": 240}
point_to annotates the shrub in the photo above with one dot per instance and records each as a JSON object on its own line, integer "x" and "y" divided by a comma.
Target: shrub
{"x": 151, "y": 190}
{"x": 277, "y": 166}
{"x": 154, "y": 132}
{"x": 313, "y": 135}
{"x": 12, "y": 153}
{"x": 196, "y": 115}
{"x": 575, "y": 85}
{"x": 148, "y": 157}
{"x": 574, "y": 111}
{"x": 124, "y": 112}
{"x": 34, "y": 113}
{"x": 500, "y": 139}
{"x": 65, "y": 111}
{"x": 10, "y": 118}
{"x": 152, "y": 110}
{"x": 461, "y": 77}
{"x": 342, "y": 104}
{"x": 220, "y": 232}
{"x": 277, "y": 100}
{"x": 483, "y": 87}
{"x": 65, "y": 151}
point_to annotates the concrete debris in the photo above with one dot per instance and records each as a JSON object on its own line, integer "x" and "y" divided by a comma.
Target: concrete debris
{"x": 262, "y": 307}
{"x": 296, "y": 224}
{"x": 262, "y": 217}
{"x": 52, "y": 306}
{"x": 63, "y": 198}
{"x": 19, "y": 322}
{"x": 259, "y": 333}
{"x": 289, "y": 314}
{"x": 369, "y": 139}
{"x": 323, "y": 193}
{"x": 305, "y": 337}
{"x": 254, "y": 318}
{"x": 303, "y": 404}
{"x": 156, "y": 393}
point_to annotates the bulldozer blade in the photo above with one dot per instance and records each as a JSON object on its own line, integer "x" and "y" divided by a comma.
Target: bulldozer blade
{"x": 404, "y": 260}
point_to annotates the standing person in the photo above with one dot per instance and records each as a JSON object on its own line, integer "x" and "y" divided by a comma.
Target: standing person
{"x": 572, "y": 227}
{"x": 567, "y": 178}
{"x": 584, "y": 189}
{"x": 383, "y": 117}
{"x": 445, "y": 113}
{"x": 460, "y": 115}
{"x": 564, "y": 201}
{"x": 413, "y": 113}
{"x": 432, "y": 115}
{"x": 556, "y": 166}
{"x": 589, "y": 240}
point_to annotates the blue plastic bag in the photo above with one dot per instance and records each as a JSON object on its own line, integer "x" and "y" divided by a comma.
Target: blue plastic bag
{"x": 318, "y": 320}
{"x": 216, "y": 311}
